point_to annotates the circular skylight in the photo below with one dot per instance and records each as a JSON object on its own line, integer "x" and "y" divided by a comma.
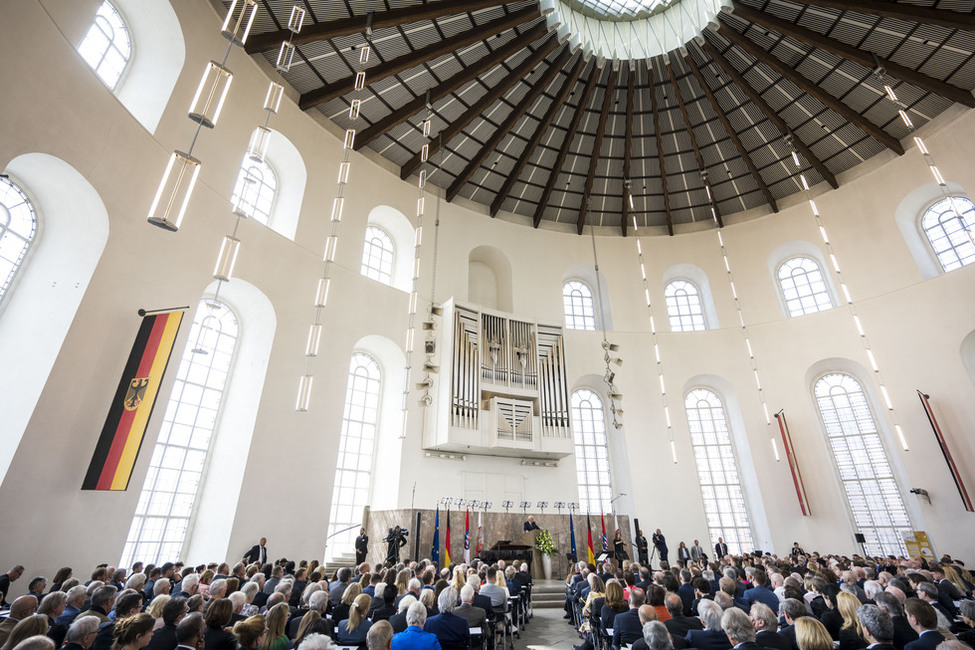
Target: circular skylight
{"x": 620, "y": 9}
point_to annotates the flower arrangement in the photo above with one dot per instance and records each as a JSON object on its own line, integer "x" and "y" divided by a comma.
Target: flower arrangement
{"x": 544, "y": 543}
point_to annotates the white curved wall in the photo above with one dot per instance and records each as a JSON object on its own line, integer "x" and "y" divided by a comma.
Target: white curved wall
{"x": 916, "y": 325}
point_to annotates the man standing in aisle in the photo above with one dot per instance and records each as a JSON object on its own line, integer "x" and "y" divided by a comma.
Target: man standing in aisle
{"x": 258, "y": 553}
{"x": 720, "y": 549}
{"x": 641, "y": 549}
{"x": 361, "y": 546}
{"x": 661, "y": 545}
{"x": 696, "y": 552}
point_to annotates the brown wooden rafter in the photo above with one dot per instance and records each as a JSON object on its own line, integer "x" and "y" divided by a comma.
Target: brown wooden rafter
{"x": 564, "y": 151}
{"x": 773, "y": 117}
{"x": 557, "y": 103}
{"x": 596, "y": 148}
{"x": 690, "y": 134}
{"x": 813, "y": 90}
{"x": 498, "y": 134}
{"x": 726, "y": 123}
{"x": 358, "y": 24}
{"x": 862, "y": 57}
{"x": 912, "y": 13}
{"x": 494, "y": 93}
{"x": 627, "y": 152}
{"x": 440, "y": 91}
{"x": 660, "y": 152}
{"x": 313, "y": 98}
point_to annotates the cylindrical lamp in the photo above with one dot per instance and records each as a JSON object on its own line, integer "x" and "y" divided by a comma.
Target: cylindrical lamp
{"x": 211, "y": 94}
{"x": 257, "y": 147}
{"x": 285, "y": 56}
{"x": 175, "y": 189}
{"x": 237, "y": 24}
{"x": 224, "y": 270}
{"x": 304, "y": 393}
{"x": 272, "y": 100}
{"x": 321, "y": 293}
{"x": 314, "y": 338}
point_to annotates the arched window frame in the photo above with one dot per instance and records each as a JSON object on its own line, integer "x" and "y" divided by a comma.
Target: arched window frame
{"x": 593, "y": 465}
{"x": 378, "y": 262}
{"x": 14, "y": 200}
{"x": 721, "y": 518}
{"x": 185, "y": 443}
{"x": 960, "y": 251}
{"x": 860, "y": 518}
{"x": 685, "y": 314}
{"x": 256, "y": 190}
{"x": 355, "y": 463}
{"x": 578, "y": 308}
{"x": 798, "y": 305}
{"x": 110, "y": 25}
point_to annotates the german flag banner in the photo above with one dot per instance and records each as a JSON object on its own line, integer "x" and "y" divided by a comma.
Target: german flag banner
{"x": 121, "y": 437}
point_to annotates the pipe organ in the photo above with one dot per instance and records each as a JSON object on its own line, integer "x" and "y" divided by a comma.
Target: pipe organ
{"x": 502, "y": 388}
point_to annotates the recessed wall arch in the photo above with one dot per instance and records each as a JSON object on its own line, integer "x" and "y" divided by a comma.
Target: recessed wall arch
{"x": 908, "y": 218}
{"x": 289, "y": 167}
{"x": 489, "y": 281}
{"x": 395, "y": 224}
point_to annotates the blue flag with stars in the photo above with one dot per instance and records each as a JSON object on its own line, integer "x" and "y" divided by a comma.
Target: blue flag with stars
{"x": 572, "y": 536}
{"x": 435, "y": 551}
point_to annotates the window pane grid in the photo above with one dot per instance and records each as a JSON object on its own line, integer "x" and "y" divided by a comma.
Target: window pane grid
{"x": 353, "y": 468}
{"x": 684, "y": 307}
{"x": 18, "y": 224}
{"x": 377, "y": 256}
{"x": 804, "y": 287}
{"x": 717, "y": 469}
{"x": 578, "y": 306}
{"x": 592, "y": 454}
{"x": 871, "y": 491}
{"x": 255, "y": 190}
{"x": 176, "y": 466}
{"x": 106, "y": 48}
{"x": 947, "y": 233}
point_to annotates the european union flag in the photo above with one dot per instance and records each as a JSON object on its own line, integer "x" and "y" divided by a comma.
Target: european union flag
{"x": 435, "y": 551}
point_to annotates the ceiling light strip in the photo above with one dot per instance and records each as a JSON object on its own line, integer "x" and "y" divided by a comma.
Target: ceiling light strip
{"x": 331, "y": 243}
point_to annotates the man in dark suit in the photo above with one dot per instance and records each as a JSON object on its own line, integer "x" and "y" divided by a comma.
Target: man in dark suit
{"x": 738, "y": 627}
{"x": 792, "y": 610}
{"x": 760, "y": 593}
{"x": 164, "y": 638}
{"x": 475, "y": 616}
{"x": 766, "y": 625}
{"x": 712, "y": 637}
{"x": 258, "y": 553}
{"x": 924, "y": 620}
{"x": 931, "y": 594}
{"x": 878, "y": 628}
{"x": 361, "y": 546}
{"x": 642, "y": 547}
{"x": 678, "y": 624}
{"x": 190, "y": 632}
{"x": 530, "y": 525}
{"x": 653, "y": 634}
{"x": 660, "y": 543}
{"x": 720, "y": 549}
{"x": 686, "y": 591}
{"x": 626, "y": 626}
{"x": 903, "y": 632}
{"x": 452, "y": 631}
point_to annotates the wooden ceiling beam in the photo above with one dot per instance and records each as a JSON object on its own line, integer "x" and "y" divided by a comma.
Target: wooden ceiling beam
{"x": 812, "y": 89}
{"x": 912, "y": 13}
{"x": 498, "y": 134}
{"x": 697, "y": 150}
{"x": 313, "y": 98}
{"x": 864, "y": 58}
{"x": 358, "y": 24}
{"x": 726, "y": 123}
{"x": 773, "y": 117}
{"x": 660, "y": 152}
{"x": 628, "y": 152}
{"x": 566, "y": 143}
{"x": 440, "y": 91}
{"x": 494, "y": 93}
{"x": 557, "y": 103}
{"x": 596, "y": 148}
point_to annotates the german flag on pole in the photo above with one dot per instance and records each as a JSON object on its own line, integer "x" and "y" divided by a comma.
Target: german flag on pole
{"x": 121, "y": 437}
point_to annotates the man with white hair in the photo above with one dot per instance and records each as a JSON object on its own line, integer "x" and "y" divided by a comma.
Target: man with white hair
{"x": 414, "y": 637}
{"x": 380, "y": 636}
{"x": 72, "y": 607}
{"x": 189, "y": 585}
{"x": 82, "y": 633}
{"x": 712, "y": 637}
{"x": 161, "y": 588}
{"x": 451, "y": 630}
{"x": 738, "y": 627}
{"x": 36, "y": 642}
{"x": 656, "y": 636}
{"x": 317, "y": 642}
{"x": 475, "y": 616}
{"x": 398, "y": 620}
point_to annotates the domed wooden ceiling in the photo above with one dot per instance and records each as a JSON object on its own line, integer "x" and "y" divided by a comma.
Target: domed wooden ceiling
{"x": 522, "y": 123}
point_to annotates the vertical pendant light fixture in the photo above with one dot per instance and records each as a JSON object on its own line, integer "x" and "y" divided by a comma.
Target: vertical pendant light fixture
{"x": 176, "y": 187}
{"x": 315, "y": 330}
{"x": 430, "y": 325}
{"x": 609, "y": 377}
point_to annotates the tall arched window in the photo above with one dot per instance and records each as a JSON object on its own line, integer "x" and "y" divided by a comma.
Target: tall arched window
{"x": 255, "y": 190}
{"x": 18, "y": 223}
{"x": 377, "y": 255}
{"x": 871, "y": 491}
{"x": 578, "y": 306}
{"x": 592, "y": 455}
{"x": 169, "y": 493}
{"x": 107, "y": 47}
{"x": 803, "y": 286}
{"x": 717, "y": 469}
{"x": 684, "y": 307}
{"x": 353, "y": 470}
{"x": 947, "y": 233}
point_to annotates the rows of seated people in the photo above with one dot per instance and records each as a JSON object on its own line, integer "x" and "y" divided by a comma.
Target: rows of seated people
{"x": 280, "y": 606}
{"x": 837, "y": 602}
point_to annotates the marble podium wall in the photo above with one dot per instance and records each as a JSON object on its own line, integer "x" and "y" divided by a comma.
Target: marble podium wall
{"x": 495, "y": 526}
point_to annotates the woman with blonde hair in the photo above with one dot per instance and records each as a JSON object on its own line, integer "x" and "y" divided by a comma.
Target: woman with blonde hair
{"x": 155, "y": 609}
{"x": 353, "y": 631}
{"x": 134, "y": 632}
{"x": 402, "y": 581}
{"x": 34, "y": 625}
{"x": 341, "y": 611}
{"x": 812, "y": 635}
{"x": 250, "y": 632}
{"x": 851, "y": 632}
{"x": 459, "y": 580}
{"x": 277, "y": 620}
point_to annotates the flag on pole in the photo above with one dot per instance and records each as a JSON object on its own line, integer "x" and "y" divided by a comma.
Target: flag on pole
{"x": 590, "y": 557}
{"x": 603, "y": 522}
{"x": 446, "y": 549}
{"x": 435, "y": 551}
{"x": 617, "y": 523}
{"x": 572, "y": 536}
{"x": 477, "y": 551}
{"x": 467, "y": 537}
